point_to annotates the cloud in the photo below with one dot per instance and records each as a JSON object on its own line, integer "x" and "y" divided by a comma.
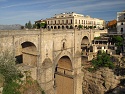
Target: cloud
{"x": 102, "y": 6}
{"x": 47, "y": 9}
{"x": 27, "y": 4}
{"x": 65, "y": 3}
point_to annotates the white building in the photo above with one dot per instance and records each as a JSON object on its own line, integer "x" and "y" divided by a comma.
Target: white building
{"x": 121, "y": 22}
{"x": 71, "y": 20}
{"x": 100, "y": 24}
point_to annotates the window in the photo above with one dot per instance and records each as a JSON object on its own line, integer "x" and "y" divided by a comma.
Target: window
{"x": 55, "y": 22}
{"x": 82, "y": 21}
{"x": 58, "y": 21}
{"x": 71, "y": 21}
{"x": 66, "y": 21}
{"x": 79, "y": 21}
{"x": 48, "y": 22}
{"x": 121, "y": 29}
{"x": 62, "y": 21}
{"x": 75, "y": 21}
{"x": 63, "y": 45}
{"x": 121, "y": 23}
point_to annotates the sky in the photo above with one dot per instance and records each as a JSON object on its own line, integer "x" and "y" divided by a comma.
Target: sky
{"x": 22, "y": 11}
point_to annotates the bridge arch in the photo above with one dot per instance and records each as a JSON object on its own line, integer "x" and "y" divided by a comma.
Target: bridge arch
{"x": 46, "y": 74}
{"x": 85, "y": 40}
{"x": 63, "y": 76}
{"x": 61, "y": 54}
{"x": 27, "y": 54}
{"x": 64, "y": 63}
{"x": 85, "y": 50}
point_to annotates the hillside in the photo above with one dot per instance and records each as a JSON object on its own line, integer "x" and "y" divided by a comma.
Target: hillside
{"x": 10, "y": 27}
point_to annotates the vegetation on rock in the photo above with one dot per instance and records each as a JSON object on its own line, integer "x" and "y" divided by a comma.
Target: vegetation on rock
{"x": 12, "y": 77}
{"x": 102, "y": 60}
{"x": 118, "y": 40}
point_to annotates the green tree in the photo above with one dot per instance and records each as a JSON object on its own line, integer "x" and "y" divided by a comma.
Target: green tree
{"x": 80, "y": 26}
{"x": 102, "y": 60}
{"x": 13, "y": 84}
{"x": 28, "y": 25}
{"x": 10, "y": 73}
{"x": 90, "y": 27}
{"x": 34, "y": 25}
{"x": 38, "y": 25}
{"x": 118, "y": 40}
{"x": 43, "y": 25}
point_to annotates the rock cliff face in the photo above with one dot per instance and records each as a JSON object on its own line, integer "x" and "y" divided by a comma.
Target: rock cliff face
{"x": 100, "y": 81}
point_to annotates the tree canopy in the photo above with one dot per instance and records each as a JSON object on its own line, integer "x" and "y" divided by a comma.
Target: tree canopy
{"x": 10, "y": 73}
{"x": 28, "y": 25}
{"x": 118, "y": 40}
{"x": 11, "y": 77}
{"x": 102, "y": 60}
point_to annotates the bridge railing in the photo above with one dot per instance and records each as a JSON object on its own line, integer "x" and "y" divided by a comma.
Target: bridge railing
{"x": 31, "y": 32}
{"x": 64, "y": 72}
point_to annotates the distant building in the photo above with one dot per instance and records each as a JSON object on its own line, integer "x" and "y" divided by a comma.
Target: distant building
{"x": 71, "y": 20}
{"x": 121, "y": 22}
{"x": 38, "y": 23}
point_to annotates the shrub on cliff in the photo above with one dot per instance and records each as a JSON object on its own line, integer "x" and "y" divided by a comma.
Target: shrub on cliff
{"x": 102, "y": 60}
{"x": 10, "y": 73}
{"x": 11, "y": 77}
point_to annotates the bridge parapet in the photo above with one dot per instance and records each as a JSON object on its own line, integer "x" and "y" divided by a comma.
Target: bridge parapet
{"x": 31, "y": 32}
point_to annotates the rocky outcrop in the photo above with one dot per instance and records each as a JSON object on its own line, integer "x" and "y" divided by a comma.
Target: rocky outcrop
{"x": 100, "y": 81}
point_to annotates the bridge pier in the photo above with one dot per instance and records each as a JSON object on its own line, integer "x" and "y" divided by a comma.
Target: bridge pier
{"x": 46, "y": 51}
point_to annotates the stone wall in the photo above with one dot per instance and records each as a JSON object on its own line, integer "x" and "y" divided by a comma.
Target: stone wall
{"x": 51, "y": 45}
{"x": 100, "y": 81}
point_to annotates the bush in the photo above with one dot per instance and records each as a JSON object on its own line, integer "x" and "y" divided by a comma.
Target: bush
{"x": 12, "y": 76}
{"x": 102, "y": 60}
{"x": 10, "y": 72}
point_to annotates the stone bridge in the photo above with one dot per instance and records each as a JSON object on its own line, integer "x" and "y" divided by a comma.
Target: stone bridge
{"x": 53, "y": 57}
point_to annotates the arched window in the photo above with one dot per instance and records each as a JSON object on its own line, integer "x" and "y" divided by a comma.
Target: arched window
{"x": 71, "y": 21}
{"x": 58, "y": 27}
{"x": 67, "y": 27}
{"x": 66, "y": 21}
{"x": 63, "y": 45}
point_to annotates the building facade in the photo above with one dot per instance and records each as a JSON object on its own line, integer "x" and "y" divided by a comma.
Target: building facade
{"x": 71, "y": 20}
{"x": 121, "y": 22}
